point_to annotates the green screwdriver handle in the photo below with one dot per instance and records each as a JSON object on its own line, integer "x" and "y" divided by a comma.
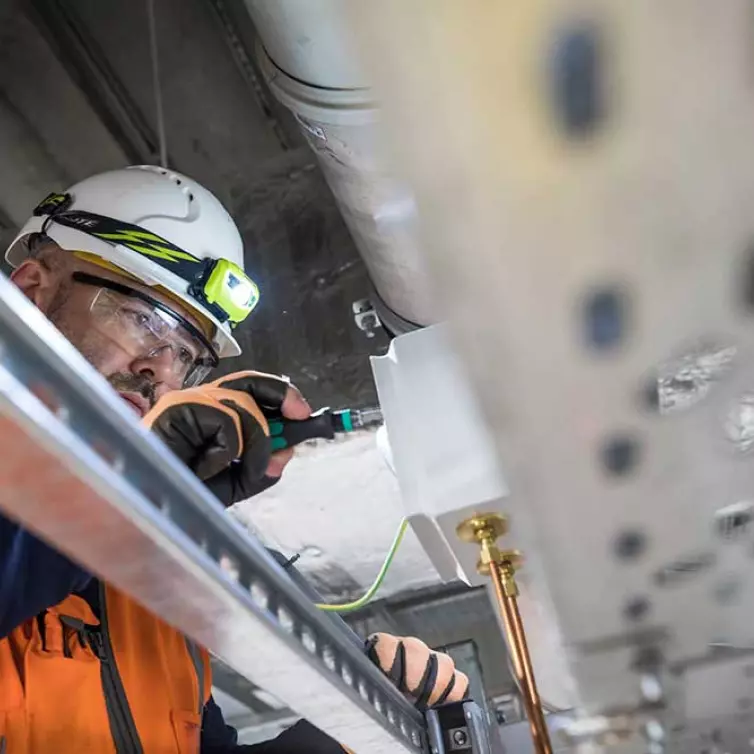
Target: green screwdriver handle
{"x": 286, "y": 433}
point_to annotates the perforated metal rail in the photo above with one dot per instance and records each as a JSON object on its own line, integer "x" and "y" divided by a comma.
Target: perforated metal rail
{"x": 76, "y": 468}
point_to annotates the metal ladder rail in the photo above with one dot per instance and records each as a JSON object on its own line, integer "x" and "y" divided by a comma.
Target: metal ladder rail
{"x": 76, "y": 468}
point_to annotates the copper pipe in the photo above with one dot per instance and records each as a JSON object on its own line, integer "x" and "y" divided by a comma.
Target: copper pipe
{"x": 521, "y": 663}
{"x": 529, "y": 671}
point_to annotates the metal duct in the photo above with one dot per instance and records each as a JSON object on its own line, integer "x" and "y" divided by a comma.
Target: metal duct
{"x": 306, "y": 57}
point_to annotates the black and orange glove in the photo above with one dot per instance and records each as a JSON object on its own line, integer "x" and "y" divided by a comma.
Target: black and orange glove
{"x": 428, "y": 678}
{"x": 219, "y": 430}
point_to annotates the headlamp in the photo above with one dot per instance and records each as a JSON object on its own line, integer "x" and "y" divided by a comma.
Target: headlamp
{"x": 226, "y": 290}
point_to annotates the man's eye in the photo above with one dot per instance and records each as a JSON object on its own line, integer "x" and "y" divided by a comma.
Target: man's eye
{"x": 185, "y": 356}
{"x": 138, "y": 318}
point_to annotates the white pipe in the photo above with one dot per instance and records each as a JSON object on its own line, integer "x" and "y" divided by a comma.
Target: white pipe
{"x": 307, "y": 59}
{"x": 309, "y": 40}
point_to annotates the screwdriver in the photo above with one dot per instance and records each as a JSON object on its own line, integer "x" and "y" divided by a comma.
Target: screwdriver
{"x": 325, "y": 424}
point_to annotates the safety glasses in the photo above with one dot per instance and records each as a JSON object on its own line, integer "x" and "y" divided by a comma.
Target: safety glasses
{"x": 147, "y": 328}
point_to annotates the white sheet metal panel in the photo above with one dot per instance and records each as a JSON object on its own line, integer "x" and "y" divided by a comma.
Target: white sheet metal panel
{"x": 584, "y": 177}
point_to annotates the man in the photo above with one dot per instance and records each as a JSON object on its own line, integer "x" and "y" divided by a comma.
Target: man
{"x": 142, "y": 270}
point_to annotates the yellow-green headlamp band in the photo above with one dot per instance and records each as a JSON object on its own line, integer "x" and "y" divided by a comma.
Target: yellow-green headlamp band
{"x": 220, "y": 285}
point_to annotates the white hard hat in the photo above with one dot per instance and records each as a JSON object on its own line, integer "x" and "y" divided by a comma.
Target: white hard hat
{"x": 136, "y": 210}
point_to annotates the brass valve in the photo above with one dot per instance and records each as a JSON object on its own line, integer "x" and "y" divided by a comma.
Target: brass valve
{"x": 509, "y": 561}
{"x": 486, "y": 526}
{"x": 485, "y": 530}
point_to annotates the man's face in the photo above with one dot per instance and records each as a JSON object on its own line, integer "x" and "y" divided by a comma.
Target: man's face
{"x": 107, "y": 327}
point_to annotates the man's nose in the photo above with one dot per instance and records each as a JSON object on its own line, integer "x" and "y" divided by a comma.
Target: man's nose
{"x": 159, "y": 366}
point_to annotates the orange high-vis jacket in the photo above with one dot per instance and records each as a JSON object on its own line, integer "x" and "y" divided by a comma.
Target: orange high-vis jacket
{"x": 73, "y": 684}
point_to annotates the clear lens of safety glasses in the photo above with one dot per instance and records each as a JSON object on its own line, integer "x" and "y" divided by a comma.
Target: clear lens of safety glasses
{"x": 147, "y": 330}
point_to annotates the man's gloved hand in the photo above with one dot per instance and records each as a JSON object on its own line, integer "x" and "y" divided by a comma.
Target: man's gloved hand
{"x": 219, "y": 430}
{"x": 428, "y": 677}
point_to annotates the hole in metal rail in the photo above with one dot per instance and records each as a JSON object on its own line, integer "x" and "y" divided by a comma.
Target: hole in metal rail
{"x": 576, "y": 67}
{"x": 47, "y": 397}
{"x": 286, "y": 620}
{"x": 229, "y": 566}
{"x": 109, "y": 455}
{"x": 684, "y": 569}
{"x": 683, "y": 382}
{"x": 636, "y": 609}
{"x": 654, "y": 730}
{"x": 619, "y": 455}
{"x": 118, "y": 464}
{"x": 605, "y": 314}
{"x": 260, "y": 596}
{"x": 245, "y": 576}
{"x": 391, "y": 715}
{"x": 630, "y": 544}
{"x": 328, "y": 657}
{"x": 363, "y": 690}
{"x": 415, "y": 740}
{"x": 308, "y": 640}
{"x": 745, "y": 277}
{"x": 733, "y": 521}
{"x": 346, "y": 674}
{"x": 739, "y": 424}
{"x": 651, "y": 688}
{"x": 378, "y": 704}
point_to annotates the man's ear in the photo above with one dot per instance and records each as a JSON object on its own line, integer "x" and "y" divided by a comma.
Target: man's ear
{"x": 37, "y": 281}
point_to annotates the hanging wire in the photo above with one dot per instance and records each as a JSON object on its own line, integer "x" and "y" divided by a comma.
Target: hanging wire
{"x": 163, "y": 144}
{"x": 369, "y": 594}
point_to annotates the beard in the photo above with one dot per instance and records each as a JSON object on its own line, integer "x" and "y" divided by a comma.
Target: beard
{"x": 128, "y": 382}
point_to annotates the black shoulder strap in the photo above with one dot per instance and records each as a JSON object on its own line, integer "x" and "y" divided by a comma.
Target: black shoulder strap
{"x": 196, "y": 658}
